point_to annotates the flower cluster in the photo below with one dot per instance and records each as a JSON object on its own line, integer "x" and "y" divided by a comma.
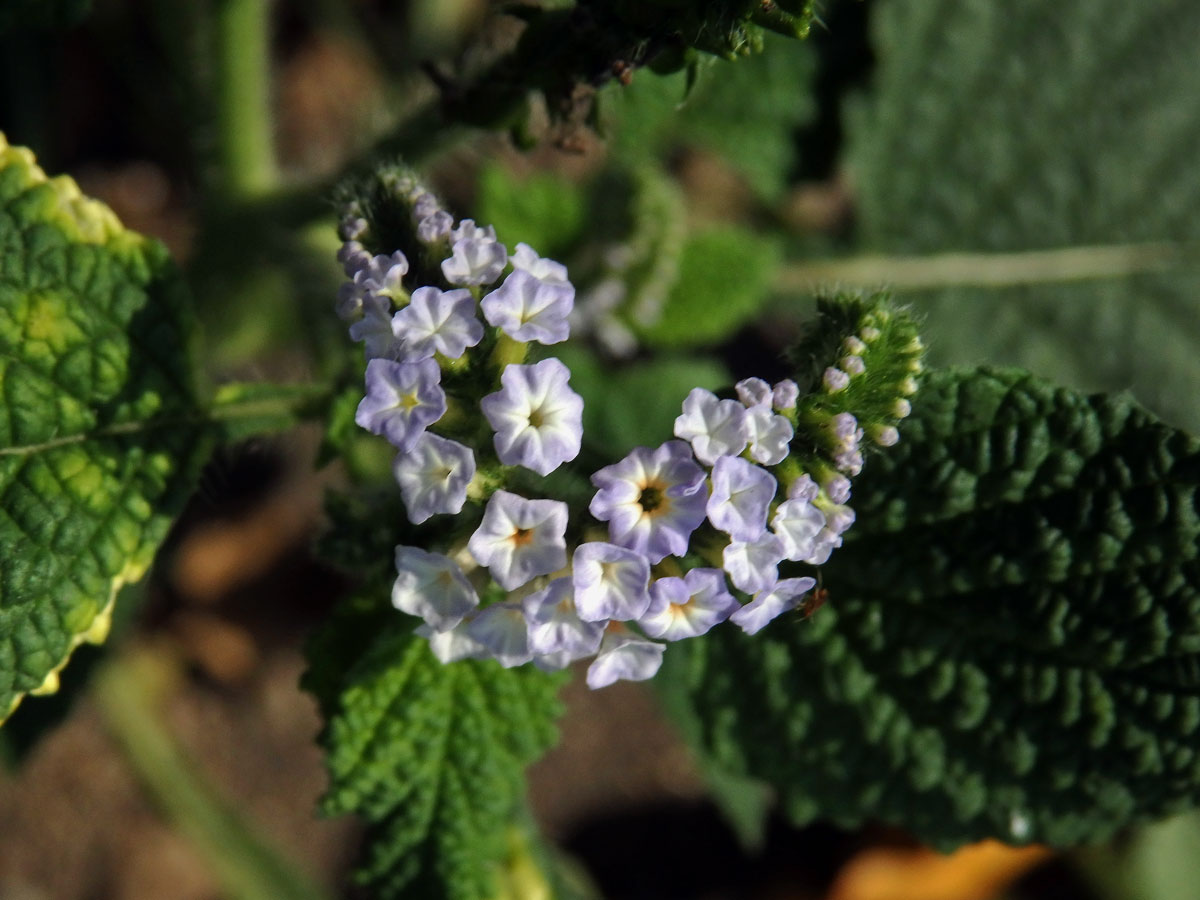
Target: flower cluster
{"x": 676, "y": 539}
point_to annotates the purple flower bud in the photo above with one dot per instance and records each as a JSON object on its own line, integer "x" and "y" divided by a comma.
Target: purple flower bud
{"x": 852, "y": 365}
{"x": 785, "y": 394}
{"x": 753, "y": 392}
{"x": 835, "y": 380}
{"x": 434, "y": 227}
{"x": 803, "y": 488}
{"x": 475, "y": 261}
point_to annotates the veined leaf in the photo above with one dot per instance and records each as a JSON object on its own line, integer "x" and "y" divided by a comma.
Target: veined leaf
{"x": 432, "y": 756}
{"x": 100, "y": 437}
{"x": 1026, "y": 126}
{"x": 1011, "y": 645}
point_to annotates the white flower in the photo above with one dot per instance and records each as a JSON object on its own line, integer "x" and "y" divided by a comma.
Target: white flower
{"x": 797, "y": 523}
{"x": 611, "y": 582}
{"x": 714, "y": 427}
{"x": 374, "y": 329}
{"x": 741, "y": 494}
{"x": 624, "y": 657}
{"x": 753, "y": 565}
{"x": 528, "y": 309}
{"x": 434, "y": 476}
{"x": 689, "y": 606}
{"x": 519, "y": 539}
{"x": 768, "y": 604}
{"x": 402, "y": 399}
{"x": 537, "y": 418}
{"x": 555, "y": 629}
{"x": 546, "y": 270}
{"x": 769, "y": 435}
{"x": 501, "y": 631}
{"x": 433, "y": 587}
{"x": 437, "y": 322}
{"x": 753, "y": 392}
{"x": 475, "y": 261}
{"x": 455, "y": 644}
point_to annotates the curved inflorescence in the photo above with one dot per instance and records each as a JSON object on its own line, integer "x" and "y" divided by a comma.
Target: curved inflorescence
{"x": 712, "y": 525}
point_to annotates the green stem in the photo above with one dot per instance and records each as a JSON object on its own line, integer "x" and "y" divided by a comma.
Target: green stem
{"x": 246, "y": 149}
{"x": 129, "y": 691}
{"x": 990, "y": 270}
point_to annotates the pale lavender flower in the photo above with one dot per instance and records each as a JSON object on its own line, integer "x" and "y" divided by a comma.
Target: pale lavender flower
{"x": 823, "y": 546}
{"x": 753, "y": 565}
{"x": 437, "y": 322}
{"x": 528, "y": 309}
{"x": 434, "y": 227}
{"x": 741, "y": 494}
{"x": 753, "y": 392}
{"x": 768, "y": 604}
{"x": 519, "y": 539}
{"x": 433, "y": 476}
{"x": 797, "y": 523}
{"x": 374, "y": 329}
{"x": 714, "y": 427}
{"x": 402, "y": 400}
{"x": 611, "y": 582}
{"x": 785, "y": 394}
{"x": 543, "y": 269}
{"x": 455, "y": 644}
{"x": 835, "y": 380}
{"x": 475, "y": 261}
{"x": 384, "y": 275}
{"x": 769, "y": 435}
{"x": 624, "y": 657}
{"x": 689, "y": 606}
{"x": 467, "y": 230}
{"x": 501, "y": 630}
{"x": 652, "y": 500}
{"x": 433, "y": 587}
{"x": 555, "y": 629}
{"x": 349, "y": 301}
{"x": 537, "y": 418}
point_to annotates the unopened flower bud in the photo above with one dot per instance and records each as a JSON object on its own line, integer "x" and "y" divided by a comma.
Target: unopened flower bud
{"x": 835, "y": 380}
{"x": 853, "y": 365}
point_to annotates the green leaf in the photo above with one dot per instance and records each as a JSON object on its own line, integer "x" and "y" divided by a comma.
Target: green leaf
{"x": 636, "y": 405}
{"x": 544, "y": 210}
{"x": 432, "y": 756}
{"x": 745, "y": 111}
{"x": 1011, "y": 644}
{"x": 724, "y": 280}
{"x": 1025, "y": 126}
{"x": 101, "y": 437}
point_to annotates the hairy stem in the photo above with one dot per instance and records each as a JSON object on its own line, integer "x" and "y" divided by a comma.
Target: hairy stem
{"x": 130, "y": 690}
{"x": 994, "y": 270}
{"x": 246, "y": 151}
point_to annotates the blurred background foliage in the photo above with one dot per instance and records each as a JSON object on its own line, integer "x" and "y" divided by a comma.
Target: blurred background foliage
{"x": 1021, "y": 172}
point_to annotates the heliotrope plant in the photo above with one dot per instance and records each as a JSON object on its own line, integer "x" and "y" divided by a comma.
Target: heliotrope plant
{"x": 726, "y": 520}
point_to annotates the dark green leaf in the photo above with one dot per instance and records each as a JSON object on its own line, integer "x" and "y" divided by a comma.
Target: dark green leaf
{"x": 432, "y": 756}
{"x": 1011, "y": 645}
{"x": 1030, "y": 125}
